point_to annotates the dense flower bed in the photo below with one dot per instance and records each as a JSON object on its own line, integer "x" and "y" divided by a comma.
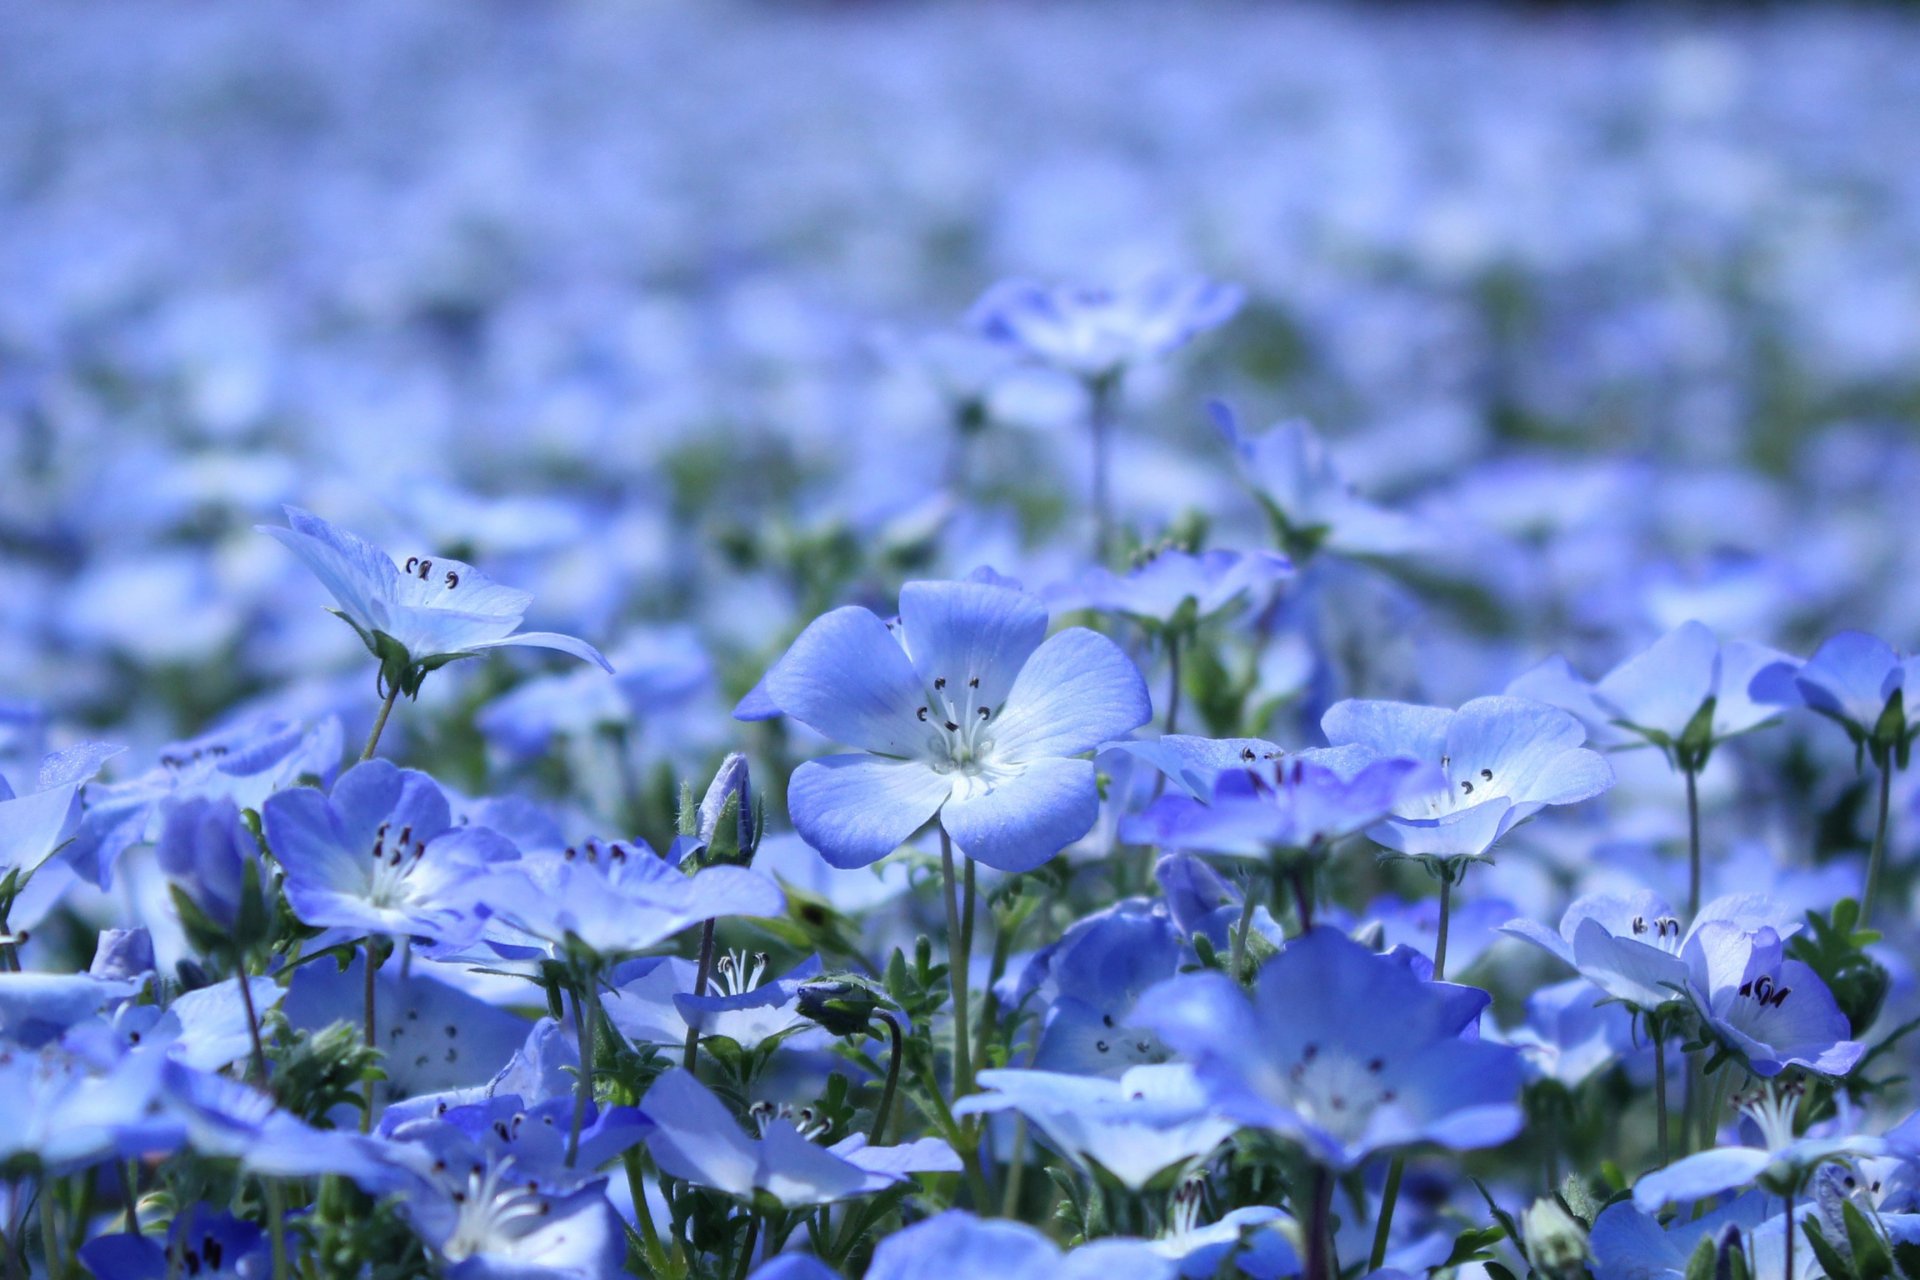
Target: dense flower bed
{"x": 965, "y": 792}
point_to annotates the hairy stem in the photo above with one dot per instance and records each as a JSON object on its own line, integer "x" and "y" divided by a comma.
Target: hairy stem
{"x": 1877, "y": 859}
{"x": 380, "y": 723}
{"x": 1693, "y": 842}
{"x": 702, "y": 972}
{"x": 1389, "y": 1196}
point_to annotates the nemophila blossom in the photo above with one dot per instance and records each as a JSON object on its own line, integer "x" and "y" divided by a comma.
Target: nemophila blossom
{"x": 36, "y": 1007}
{"x": 614, "y": 898}
{"x": 1773, "y": 1012}
{"x": 37, "y": 818}
{"x": 1253, "y": 1236}
{"x": 1295, "y": 1060}
{"x": 202, "y": 1244}
{"x": 1096, "y": 975}
{"x": 1501, "y": 760}
{"x": 379, "y": 855}
{"x": 62, "y": 1110}
{"x": 1686, "y": 693}
{"x": 223, "y": 1117}
{"x": 1143, "y": 1123}
{"x": 1203, "y": 904}
{"x": 1313, "y": 507}
{"x": 1100, "y": 332}
{"x": 420, "y": 615}
{"x": 207, "y": 1028}
{"x": 1192, "y": 763}
{"x": 1634, "y": 947}
{"x": 964, "y": 709}
{"x": 955, "y": 1245}
{"x": 1854, "y": 679}
{"x": 1305, "y": 800}
{"x": 1779, "y": 1164}
{"x": 1568, "y": 1036}
{"x": 493, "y": 1194}
{"x": 244, "y": 762}
{"x": 1628, "y": 1243}
{"x": 1473, "y": 928}
{"x": 1170, "y": 587}
{"x": 696, "y": 1138}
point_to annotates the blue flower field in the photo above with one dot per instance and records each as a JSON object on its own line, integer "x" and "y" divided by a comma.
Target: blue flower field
{"x": 971, "y": 640}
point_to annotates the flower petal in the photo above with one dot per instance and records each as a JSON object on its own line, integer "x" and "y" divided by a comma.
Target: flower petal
{"x": 1021, "y": 821}
{"x": 847, "y": 677}
{"x": 965, "y": 631}
{"x": 1076, "y": 691}
{"x": 857, "y": 809}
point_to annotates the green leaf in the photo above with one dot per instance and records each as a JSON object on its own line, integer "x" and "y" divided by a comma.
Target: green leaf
{"x": 1871, "y": 1261}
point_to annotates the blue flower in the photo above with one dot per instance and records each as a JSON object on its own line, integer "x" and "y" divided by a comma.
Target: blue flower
{"x": 61, "y": 1110}
{"x": 1503, "y": 760}
{"x": 1312, "y": 506}
{"x": 1137, "y": 1126}
{"x": 224, "y": 1117}
{"x": 696, "y": 1138}
{"x": 1779, "y": 1163}
{"x": 1098, "y": 333}
{"x": 379, "y": 855}
{"x": 1204, "y": 904}
{"x": 202, "y": 1244}
{"x": 207, "y": 854}
{"x": 421, "y": 615}
{"x": 1098, "y": 972}
{"x": 1628, "y": 1243}
{"x": 1631, "y": 947}
{"x": 1853, "y": 679}
{"x": 244, "y": 762}
{"x": 1295, "y": 1060}
{"x": 1302, "y": 801}
{"x": 1193, "y": 763}
{"x": 1172, "y": 587}
{"x": 35, "y": 823}
{"x": 614, "y": 898}
{"x": 955, "y": 1245}
{"x": 966, "y": 711}
{"x": 1686, "y": 693}
{"x": 1774, "y": 1012}
{"x": 1568, "y": 1035}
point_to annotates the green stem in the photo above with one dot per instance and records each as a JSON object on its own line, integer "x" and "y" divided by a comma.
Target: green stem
{"x": 1877, "y": 858}
{"x": 583, "y": 1011}
{"x": 1446, "y": 913}
{"x": 1789, "y": 1275}
{"x": 746, "y": 1250}
{"x": 1101, "y": 394}
{"x": 957, "y": 956}
{"x": 372, "y": 959}
{"x": 1660, "y": 1087}
{"x": 1693, "y": 843}
{"x": 702, "y": 972}
{"x": 130, "y": 1176}
{"x": 49, "y": 1233}
{"x": 380, "y": 722}
{"x": 1237, "y": 957}
{"x": 893, "y": 1081}
{"x": 1173, "y": 680}
{"x": 1016, "y": 1170}
{"x": 253, "y": 1025}
{"x": 277, "y": 1228}
{"x": 1389, "y": 1196}
{"x": 1319, "y": 1227}
{"x": 643, "y": 1212}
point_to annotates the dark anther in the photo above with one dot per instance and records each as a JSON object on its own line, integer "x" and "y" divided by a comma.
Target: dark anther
{"x": 973, "y": 682}
{"x": 1101, "y": 1045}
{"x": 453, "y": 579}
{"x": 922, "y": 713}
{"x": 985, "y": 712}
{"x": 426, "y": 567}
{"x": 951, "y": 726}
{"x": 1377, "y": 1065}
{"x": 413, "y": 563}
{"x": 1466, "y": 788}
{"x": 940, "y": 682}
{"x": 1486, "y": 775}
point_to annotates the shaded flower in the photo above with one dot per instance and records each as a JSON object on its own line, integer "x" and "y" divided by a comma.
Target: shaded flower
{"x": 1774, "y": 1012}
{"x": 1853, "y": 679}
{"x": 1099, "y": 332}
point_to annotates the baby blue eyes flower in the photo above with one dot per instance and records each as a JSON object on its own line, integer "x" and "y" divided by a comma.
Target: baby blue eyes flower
{"x": 1501, "y": 760}
{"x": 1295, "y": 1061}
{"x": 1098, "y": 333}
{"x": 1686, "y": 693}
{"x": 1853, "y": 679}
{"x": 955, "y": 1245}
{"x": 1171, "y": 587}
{"x": 37, "y": 818}
{"x": 1312, "y": 506}
{"x": 1149, "y": 1120}
{"x": 201, "y": 1244}
{"x": 696, "y": 1138}
{"x": 1779, "y": 1164}
{"x": 966, "y": 710}
{"x": 380, "y": 856}
{"x": 419, "y": 615}
{"x": 1773, "y": 1012}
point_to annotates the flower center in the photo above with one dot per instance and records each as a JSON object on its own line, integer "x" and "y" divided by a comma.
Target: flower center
{"x": 738, "y": 973}
{"x": 1661, "y": 931}
{"x": 1466, "y": 787}
{"x": 959, "y": 736}
{"x": 493, "y": 1211}
{"x": 804, "y": 1119}
{"x": 1183, "y": 1207}
{"x": 1772, "y": 1110}
{"x": 393, "y": 866}
{"x": 1337, "y": 1091}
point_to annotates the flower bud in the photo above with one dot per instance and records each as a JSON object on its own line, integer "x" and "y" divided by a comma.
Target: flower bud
{"x": 726, "y": 827}
{"x": 1556, "y": 1241}
{"x": 844, "y": 1006}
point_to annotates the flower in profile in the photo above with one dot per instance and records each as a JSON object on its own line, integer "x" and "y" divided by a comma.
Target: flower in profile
{"x": 695, "y": 1137}
{"x": 1501, "y": 760}
{"x": 1312, "y": 506}
{"x": 1170, "y": 587}
{"x": 1136, "y": 1127}
{"x": 1779, "y": 1163}
{"x": 1629, "y": 1243}
{"x": 380, "y": 855}
{"x": 955, "y": 1245}
{"x": 1855, "y": 680}
{"x": 1097, "y": 333}
{"x": 1632, "y": 946}
{"x": 1294, "y": 1060}
{"x": 420, "y": 615}
{"x": 1773, "y": 1012}
{"x": 1686, "y": 693}
{"x": 964, "y": 709}
{"x": 36, "y": 822}
{"x": 1097, "y": 974}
